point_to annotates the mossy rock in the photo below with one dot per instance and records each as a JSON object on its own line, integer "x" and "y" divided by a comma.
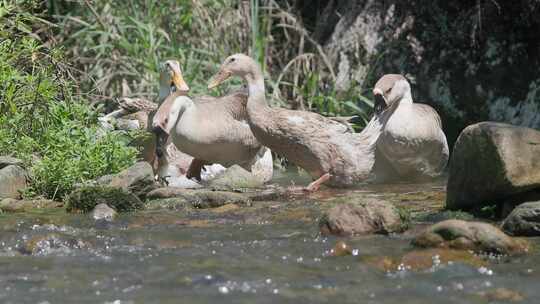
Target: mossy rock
{"x": 85, "y": 199}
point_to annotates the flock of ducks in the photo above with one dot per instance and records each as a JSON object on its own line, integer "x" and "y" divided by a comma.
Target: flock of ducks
{"x": 403, "y": 140}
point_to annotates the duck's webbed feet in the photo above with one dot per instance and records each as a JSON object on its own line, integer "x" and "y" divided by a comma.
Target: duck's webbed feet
{"x": 195, "y": 169}
{"x": 316, "y": 185}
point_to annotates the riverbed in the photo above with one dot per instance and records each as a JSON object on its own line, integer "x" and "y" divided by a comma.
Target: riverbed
{"x": 268, "y": 252}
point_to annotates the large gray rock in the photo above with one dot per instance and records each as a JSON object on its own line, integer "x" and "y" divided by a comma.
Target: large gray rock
{"x": 12, "y": 180}
{"x": 524, "y": 220}
{"x": 362, "y": 217}
{"x": 102, "y": 212}
{"x": 137, "y": 179}
{"x": 476, "y": 236}
{"x": 491, "y": 163}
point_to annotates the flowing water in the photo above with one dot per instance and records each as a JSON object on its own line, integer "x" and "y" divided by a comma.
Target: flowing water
{"x": 270, "y": 252}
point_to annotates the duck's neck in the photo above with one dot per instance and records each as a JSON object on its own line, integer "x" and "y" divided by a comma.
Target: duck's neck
{"x": 256, "y": 104}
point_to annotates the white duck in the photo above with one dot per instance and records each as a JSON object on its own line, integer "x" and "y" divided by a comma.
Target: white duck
{"x": 412, "y": 142}
{"x": 326, "y": 149}
{"x": 211, "y": 129}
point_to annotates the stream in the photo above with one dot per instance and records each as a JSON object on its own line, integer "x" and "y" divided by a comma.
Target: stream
{"x": 271, "y": 252}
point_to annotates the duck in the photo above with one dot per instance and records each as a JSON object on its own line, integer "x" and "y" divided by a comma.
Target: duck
{"x": 412, "y": 145}
{"x": 213, "y": 130}
{"x": 326, "y": 149}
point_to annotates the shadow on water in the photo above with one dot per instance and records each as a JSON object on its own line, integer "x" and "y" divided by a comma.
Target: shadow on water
{"x": 270, "y": 252}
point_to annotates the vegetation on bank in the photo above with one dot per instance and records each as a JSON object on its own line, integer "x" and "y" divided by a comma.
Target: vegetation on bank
{"x": 43, "y": 120}
{"x": 63, "y": 62}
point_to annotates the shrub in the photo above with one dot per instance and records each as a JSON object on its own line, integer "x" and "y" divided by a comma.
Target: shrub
{"x": 42, "y": 121}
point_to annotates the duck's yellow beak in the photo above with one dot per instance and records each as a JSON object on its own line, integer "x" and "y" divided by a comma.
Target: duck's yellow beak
{"x": 219, "y": 78}
{"x": 179, "y": 82}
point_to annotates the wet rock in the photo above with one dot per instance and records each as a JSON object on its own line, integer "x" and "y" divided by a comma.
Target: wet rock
{"x": 502, "y": 295}
{"x": 86, "y": 198}
{"x": 102, "y": 212}
{"x": 362, "y": 217}
{"x": 10, "y": 161}
{"x": 52, "y": 243}
{"x": 137, "y": 179}
{"x": 235, "y": 177}
{"x": 13, "y": 205}
{"x": 446, "y": 215}
{"x": 341, "y": 249}
{"x": 166, "y": 192}
{"x": 12, "y": 181}
{"x": 476, "y": 236}
{"x": 524, "y": 220}
{"x": 201, "y": 199}
{"x": 493, "y": 162}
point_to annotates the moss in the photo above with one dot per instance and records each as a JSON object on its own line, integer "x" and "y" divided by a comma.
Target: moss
{"x": 446, "y": 215}
{"x": 405, "y": 217}
{"x": 86, "y": 198}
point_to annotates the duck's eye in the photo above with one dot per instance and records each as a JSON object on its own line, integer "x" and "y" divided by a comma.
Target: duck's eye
{"x": 233, "y": 59}
{"x": 388, "y": 90}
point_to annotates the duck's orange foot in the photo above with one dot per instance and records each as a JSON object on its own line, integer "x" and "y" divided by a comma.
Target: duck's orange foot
{"x": 316, "y": 185}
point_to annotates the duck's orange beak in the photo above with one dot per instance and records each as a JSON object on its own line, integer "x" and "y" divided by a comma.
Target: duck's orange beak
{"x": 179, "y": 82}
{"x": 219, "y": 78}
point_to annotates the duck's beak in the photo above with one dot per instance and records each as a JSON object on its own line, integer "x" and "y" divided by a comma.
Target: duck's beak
{"x": 380, "y": 101}
{"x": 179, "y": 82}
{"x": 219, "y": 78}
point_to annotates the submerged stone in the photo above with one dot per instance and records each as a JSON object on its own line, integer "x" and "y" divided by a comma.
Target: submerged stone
{"x": 86, "y": 198}
{"x": 524, "y": 220}
{"x": 52, "y": 243}
{"x": 103, "y": 212}
{"x": 476, "y": 236}
{"x": 362, "y": 217}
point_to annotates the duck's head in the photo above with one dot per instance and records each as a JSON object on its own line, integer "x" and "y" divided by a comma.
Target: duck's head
{"x": 171, "y": 78}
{"x": 389, "y": 90}
{"x": 235, "y": 65}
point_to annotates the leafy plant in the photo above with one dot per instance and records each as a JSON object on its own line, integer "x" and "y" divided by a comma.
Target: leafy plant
{"x": 42, "y": 121}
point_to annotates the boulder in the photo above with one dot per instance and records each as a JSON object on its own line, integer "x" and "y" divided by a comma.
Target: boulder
{"x": 12, "y": 181}
{"x": 362, "y": 217}
{"x": 137, "y": 179}
{"x": 235, "y": 177}
{"x": 492, "y": 163}
{"x": 524, "y": 220}
{"x": 86, "y": 198}
{"x": 102, "y": 212}
{"x": 476, "y": 236}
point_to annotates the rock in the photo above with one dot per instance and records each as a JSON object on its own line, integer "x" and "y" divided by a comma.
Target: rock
{"x": 524, "y": 220}
{"x": 362, "y": 217}
{"x": 13, "y": 205}
{"x": 103, "y": 212}
{"x": 52, "y": 243}
{"x": 86, "y": 198}
{"x": 492, "y": 162}
{"x": 137, "y": 179}
{"x": 341, "y": 249}
{"x": 501, "y": 294}
{"x": 235, "y": 177}
{"x": 9, "y": 161}
{"x": 12, "y": 180}
{"x": 175, "y": 198}
{"x": 476, "y": 236}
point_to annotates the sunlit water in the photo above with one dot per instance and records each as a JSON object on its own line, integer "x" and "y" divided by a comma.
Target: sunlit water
{"x": 209, "y": 257}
